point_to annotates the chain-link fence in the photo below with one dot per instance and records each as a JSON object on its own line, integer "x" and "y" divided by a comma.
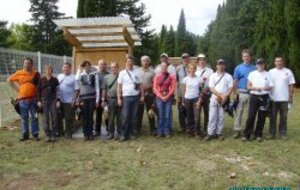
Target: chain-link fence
{"x": 12, "y": 60}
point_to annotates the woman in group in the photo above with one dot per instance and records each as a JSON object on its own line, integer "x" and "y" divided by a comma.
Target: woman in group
{"x": 192, "y": 99}
{"x": 87, "y": 99}
{"x": 164, "y": 85}
{"x": 259, "y": 85}
{"x": 47, "y": 89}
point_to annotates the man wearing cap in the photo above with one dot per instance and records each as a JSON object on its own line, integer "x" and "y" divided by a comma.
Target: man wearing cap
{"x": 240, "y": 76}
{"x": 281, "y": 94}
{"x": 220, "y": 84}
{"x": 259, "y": 85}
{"x": 164, "y": 58}
{"x": 181, "y": 72}
{"x": 204, "y": 73}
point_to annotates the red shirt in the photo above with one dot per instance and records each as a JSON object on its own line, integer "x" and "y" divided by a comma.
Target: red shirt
{"x": 164, "y": 85}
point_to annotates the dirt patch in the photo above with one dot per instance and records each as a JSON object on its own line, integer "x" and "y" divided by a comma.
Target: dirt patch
{"x": 30, "y": 181}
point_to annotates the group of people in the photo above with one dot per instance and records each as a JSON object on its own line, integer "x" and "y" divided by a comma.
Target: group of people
{"x": 195, "y": 87}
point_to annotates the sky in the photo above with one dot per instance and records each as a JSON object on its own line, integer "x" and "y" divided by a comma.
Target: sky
{"x": 198, "y": 13}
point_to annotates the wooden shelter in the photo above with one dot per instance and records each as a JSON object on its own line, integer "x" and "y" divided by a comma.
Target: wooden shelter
{"x": 109, "y": 38}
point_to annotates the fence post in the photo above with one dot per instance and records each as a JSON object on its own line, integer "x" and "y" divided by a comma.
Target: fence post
{"x": 0, "y": 116}
{"x": 39, "y": 61}
{"x": 64, "y": 59}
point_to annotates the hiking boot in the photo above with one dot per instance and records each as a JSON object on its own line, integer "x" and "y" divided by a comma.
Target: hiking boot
{"x": 237, "y": 134}
{"x": 220, "y": 137}
{"x": 259, "y": 139}
{"x": 208, "y": 138}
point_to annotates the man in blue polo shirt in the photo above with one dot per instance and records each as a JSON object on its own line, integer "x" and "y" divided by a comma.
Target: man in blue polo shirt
{"x": 240, "y": 76}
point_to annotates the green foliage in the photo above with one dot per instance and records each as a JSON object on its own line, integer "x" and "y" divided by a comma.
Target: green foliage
{"x": 4, "y": 34}
{"x": 267, "y": 28}
{"x": 180, "y": 35}
{"x": 20, "y": 37}
{"x": 45, "y": 37}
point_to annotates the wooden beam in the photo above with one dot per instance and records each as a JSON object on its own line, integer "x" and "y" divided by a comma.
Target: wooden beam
{"x": 98, "y": 34}
{"x": 99, "y": 26}
{"x": 71, "y": 39}
{"x": 127, "y": 37}
{"x": 102, "y": 41}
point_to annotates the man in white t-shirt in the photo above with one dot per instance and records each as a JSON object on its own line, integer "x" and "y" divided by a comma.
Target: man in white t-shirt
{"x": 204, "y": 72}
{"x": 164, "y": 58}
{"x": 282, "y": 94}
{"x": 130, "y": 93}
{"x": 67, "y": 93}
{"x": 220, "y": 84}
{"x": 259, "y": 85}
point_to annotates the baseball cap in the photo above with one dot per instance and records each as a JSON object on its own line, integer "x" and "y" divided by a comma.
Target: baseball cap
{"x": 260, "y": 61}
{"x": 221, "y": 61}
{"x": 185, "y": 55}
{"x": 164, "y": 55}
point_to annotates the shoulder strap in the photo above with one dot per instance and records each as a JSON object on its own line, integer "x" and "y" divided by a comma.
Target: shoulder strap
{"x": 111, "y": 85}
{"x": 219, "y": 80}
{"x": 202, "y": 72}
{"x": 129, "y": 75}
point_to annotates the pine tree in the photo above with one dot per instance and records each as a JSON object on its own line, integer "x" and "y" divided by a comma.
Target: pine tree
{"x": 180, "y": 35}
{"x": 45, "y": 34}
{"x": 170, "y": 42}
{"x": 80, "y": 8}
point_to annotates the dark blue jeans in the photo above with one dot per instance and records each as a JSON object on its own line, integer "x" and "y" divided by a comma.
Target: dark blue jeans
{"x": 129, "y": 115}
{"x": 88, "y": 109}
{"x": 29, "y": 107}
{"x": 164, "y": 109}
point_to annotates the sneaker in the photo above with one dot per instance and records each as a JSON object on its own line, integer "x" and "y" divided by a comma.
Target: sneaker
{"x": 208, "y": 138}
{"x": 284, "y": 137}
{"x": 244, "y": 139}
{"x": 91, "y": 137}
{"x": 36, "y": 137}
{"x": 97, "y": 134}
{"x": 237, "y": 134}
{"x": 168, "y": 136}
{"x": 110, "y": 137}
{"x": 48, "y": 139}
{"x": 220, "y": 137}
{"x": 259, "y": 139}
{"x": 159, "y": 136}
{"x": 53, "y": 139}
{"x": 270, "y": 137}
{"x": 123, "y": 138}
{"x": 24, "y": 138}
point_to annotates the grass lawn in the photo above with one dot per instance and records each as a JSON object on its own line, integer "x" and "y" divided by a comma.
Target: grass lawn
{"x": 149, "y": 163}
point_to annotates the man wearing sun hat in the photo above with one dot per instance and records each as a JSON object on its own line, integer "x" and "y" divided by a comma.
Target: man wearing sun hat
{"x": 204, "y": 72}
